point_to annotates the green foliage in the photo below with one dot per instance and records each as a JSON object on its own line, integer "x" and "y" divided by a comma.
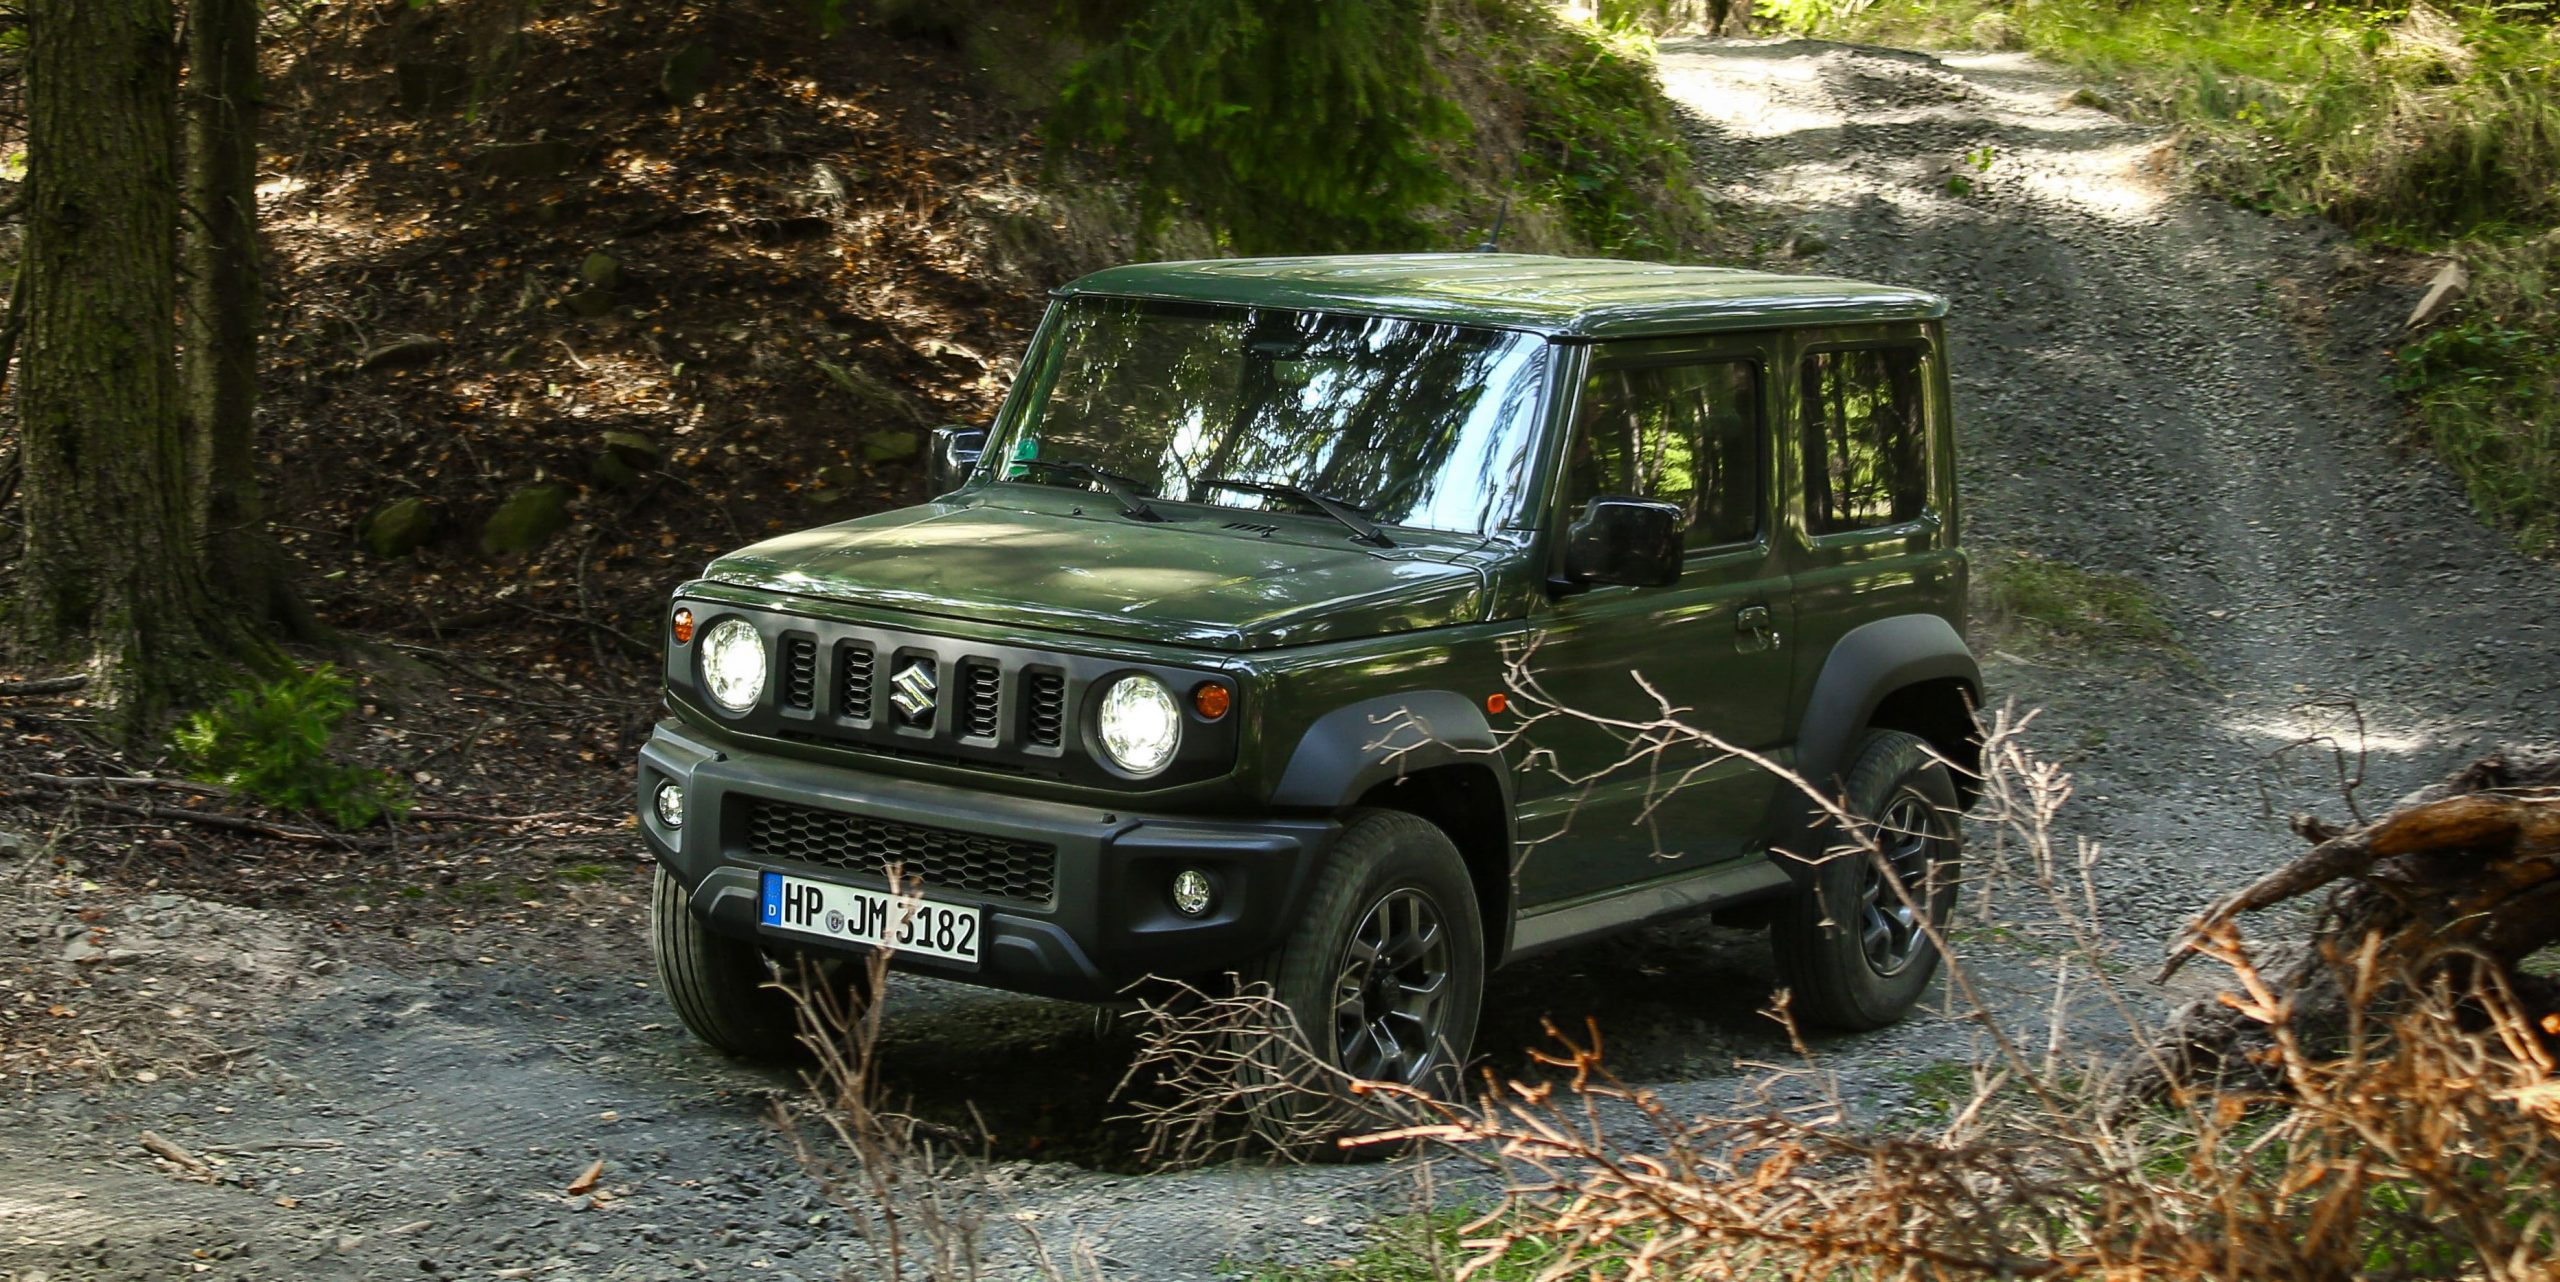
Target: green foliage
{"x": 1287, "y": 124}
{"x": 1653, "y": 17}
{"x": 1979, "y": 159}
{"x": 2487, "y": 388}
{"x": 1310, "y": 125}
{"x": 1600, "y": 144}
{"x": 271, "y": 742}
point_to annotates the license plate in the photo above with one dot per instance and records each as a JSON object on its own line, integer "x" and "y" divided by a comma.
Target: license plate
{"x": 850, "y": 914}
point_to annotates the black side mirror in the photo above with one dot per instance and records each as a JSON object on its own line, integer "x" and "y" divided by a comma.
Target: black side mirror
{"x": 1630, "y": 541}
{"x": 954, "y": 457}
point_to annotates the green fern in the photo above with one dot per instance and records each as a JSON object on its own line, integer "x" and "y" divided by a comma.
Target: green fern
{"x": 271, "y": 742}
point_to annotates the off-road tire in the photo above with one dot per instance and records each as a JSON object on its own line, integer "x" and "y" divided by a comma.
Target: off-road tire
{"x": 718, "y": 984}
{"x": 1822, "y": 934}
{"x": 1384, "y": 859}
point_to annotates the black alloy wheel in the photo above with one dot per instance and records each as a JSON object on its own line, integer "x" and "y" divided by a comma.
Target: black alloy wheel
{"x": 1854, "y": 952}
{"x": 1907, "y": 836}
{"x": 1391, "y": 1009}
{"x": 1382, "y": 973}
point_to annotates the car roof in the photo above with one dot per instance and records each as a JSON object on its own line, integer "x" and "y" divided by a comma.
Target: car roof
{"x": 1573, "y": 298}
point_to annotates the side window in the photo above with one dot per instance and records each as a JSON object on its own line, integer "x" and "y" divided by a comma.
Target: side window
{"x": 1866, "y": 454}
{"x": 1684, "y": 434}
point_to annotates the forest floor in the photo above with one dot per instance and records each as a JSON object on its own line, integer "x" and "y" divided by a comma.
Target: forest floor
{"x": 2150, "y": 383}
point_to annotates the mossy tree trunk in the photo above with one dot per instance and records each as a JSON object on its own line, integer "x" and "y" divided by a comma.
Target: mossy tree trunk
{"x": 110, "y": 572}
{"x": 224, "y": 308}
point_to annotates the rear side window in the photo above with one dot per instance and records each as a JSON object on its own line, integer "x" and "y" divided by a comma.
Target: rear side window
{"x": 1866, "y": 453}
{"x": 1682, "y": 434}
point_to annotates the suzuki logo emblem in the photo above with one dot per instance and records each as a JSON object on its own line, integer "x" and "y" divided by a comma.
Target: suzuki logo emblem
{"x": 911, "y": 691}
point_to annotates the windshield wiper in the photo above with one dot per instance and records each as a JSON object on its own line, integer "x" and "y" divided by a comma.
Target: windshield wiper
{"x": 1123, "y": 488}
{"x": 1362, "y": 528}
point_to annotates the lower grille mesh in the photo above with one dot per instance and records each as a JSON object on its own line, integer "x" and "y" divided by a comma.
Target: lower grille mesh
{"x": 936, "y": 857}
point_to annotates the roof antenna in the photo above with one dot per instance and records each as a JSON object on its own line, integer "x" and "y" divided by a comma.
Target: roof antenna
{"x": 1491, "y": 242}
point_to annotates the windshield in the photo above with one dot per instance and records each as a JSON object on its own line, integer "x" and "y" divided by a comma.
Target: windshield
{"x": 1407, "y": 423}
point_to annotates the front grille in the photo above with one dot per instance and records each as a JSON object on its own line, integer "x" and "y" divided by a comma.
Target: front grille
{"x": 981, "y": 689}
{"x": 937, "y": 858}
{"x": 861, "y": 687}
{"x": 799, "y": 672}
{"x": 1044, "y": 713}
{"x": 853, "y": 682}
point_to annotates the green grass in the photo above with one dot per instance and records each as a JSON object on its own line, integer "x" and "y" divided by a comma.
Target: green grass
{"x": 1412, "y": 1249}
{"x": 2436, "y": 131}
{"x": 1940, "y": 1087}
{"x": 2056, "y": 608}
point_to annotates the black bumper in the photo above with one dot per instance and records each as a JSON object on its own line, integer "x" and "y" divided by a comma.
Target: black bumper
{"x": 1108, "y": 921}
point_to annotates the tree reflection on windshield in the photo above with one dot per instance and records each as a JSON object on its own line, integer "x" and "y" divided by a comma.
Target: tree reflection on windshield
{"x": 1411, "y": 423}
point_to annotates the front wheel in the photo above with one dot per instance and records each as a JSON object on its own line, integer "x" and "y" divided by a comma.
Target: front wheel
{"x": 720, "y": 987}
{"x": 1384, "y": 971}
{"x": 1852, "y": 949}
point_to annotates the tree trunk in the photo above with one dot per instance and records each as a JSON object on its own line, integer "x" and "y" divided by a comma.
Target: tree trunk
{"x": 109, "y": 573}
{"x": 245, "y": 570}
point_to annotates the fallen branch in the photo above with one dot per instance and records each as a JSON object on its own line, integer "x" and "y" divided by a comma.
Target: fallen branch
{"x": 132, "y": 781}
{"x": 44, "y": 685}
{"x": 169, "y": 1152}
{"x": 269, "y": 1146}
{"x": 208, "y": 819}
{"x": 473, "y": 817}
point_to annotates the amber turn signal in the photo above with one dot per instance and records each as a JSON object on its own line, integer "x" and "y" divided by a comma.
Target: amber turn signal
{"x": 684, "y": 626}
{"x": 1211, "y": 699}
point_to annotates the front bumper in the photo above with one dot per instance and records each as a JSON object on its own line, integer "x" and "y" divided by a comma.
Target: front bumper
{"x": 1108, "y": 922}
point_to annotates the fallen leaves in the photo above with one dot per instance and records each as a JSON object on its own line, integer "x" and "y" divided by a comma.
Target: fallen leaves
{"x": 587, "y": 1179}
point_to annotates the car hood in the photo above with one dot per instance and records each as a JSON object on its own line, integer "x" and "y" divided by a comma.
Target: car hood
{"x": 1186, "y": 581}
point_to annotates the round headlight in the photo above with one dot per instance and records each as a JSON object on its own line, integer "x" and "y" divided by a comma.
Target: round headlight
{"x": 1140, "y": 725}
{"x": 733, "y": 664}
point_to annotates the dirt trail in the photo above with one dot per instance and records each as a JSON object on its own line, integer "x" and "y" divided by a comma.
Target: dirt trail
{"x": 2160, "y": 384}
{"x": 2150, "y": 382}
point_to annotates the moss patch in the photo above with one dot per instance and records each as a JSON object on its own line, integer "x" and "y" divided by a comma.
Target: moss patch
{"x": 2057, "y": 608}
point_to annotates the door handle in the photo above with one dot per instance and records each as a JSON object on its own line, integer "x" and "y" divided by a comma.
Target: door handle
{"x": 1754, "y": 629}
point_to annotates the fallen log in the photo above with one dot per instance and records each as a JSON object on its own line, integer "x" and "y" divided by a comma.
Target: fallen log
{"x": 2457, "y": 885}
{"x": 43, "y": 685}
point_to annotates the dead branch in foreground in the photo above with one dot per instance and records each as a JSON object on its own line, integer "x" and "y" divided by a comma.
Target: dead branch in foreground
{"x": 2460, "y": 882}
{"x": 2411, "y": 1133}
{"x": 1227, "y": 1075}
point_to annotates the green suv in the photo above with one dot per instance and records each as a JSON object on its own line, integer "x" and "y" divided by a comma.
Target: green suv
{"x": 1311, "y": 620}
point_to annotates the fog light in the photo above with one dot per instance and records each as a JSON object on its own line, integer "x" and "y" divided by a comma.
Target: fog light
{"x": 671, "y": 805}
{"x": 1191, "y": 892}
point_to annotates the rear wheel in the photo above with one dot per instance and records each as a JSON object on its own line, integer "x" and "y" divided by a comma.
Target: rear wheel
{"x": 1384, "y": 971}
{"x": 718, "y": 985}
{"x": 1852, "y": 949}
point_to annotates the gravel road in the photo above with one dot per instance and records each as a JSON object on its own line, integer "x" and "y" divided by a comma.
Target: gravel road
{"x": 2150, "y": 382}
